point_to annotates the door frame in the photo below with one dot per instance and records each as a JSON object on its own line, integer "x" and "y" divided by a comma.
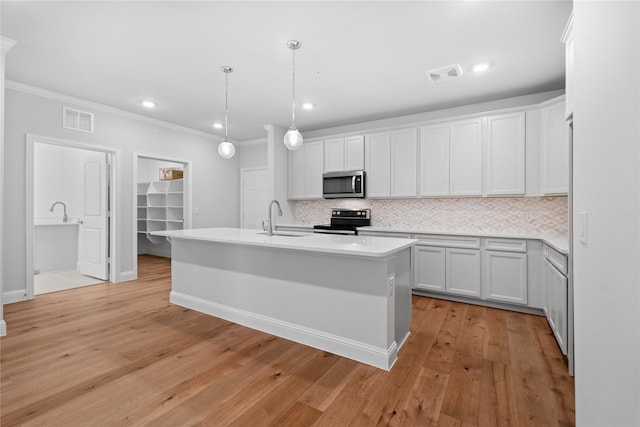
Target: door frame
{"x": 112, "y": 155}
{"x": 242, "y": 172}
{"x": 187, "y": 190}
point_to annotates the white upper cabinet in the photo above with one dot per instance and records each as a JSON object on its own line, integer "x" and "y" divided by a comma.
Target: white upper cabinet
{"x": 434, "y": 160}
{"x": 344, "y": 154}
{"x": 465, "y": 161}
{"x": 314, "y": 154}
{"x": 377, "y": 164}
{"x": 297, "y": 175}
{"x": 505, "y": 154}
{"x": 404, "y": 163}
{"x": 334, "y": 155}
{"x": 305, "y": 171}
{"x": 354, "y": 153}
{"x": 554, "y": 150}
{"x": 567, "y": 39}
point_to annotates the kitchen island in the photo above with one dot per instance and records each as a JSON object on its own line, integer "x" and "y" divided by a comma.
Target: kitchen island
{"x": 349, "y": 295}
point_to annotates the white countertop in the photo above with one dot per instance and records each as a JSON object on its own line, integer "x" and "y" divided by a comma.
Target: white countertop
{"x": 363, "y": 246}
{"x": 559, "y": 243}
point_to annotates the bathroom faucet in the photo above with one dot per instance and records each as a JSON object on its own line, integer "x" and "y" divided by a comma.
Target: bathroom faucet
{"x": 65, "y": 218}
{"x": 270, "y": 229}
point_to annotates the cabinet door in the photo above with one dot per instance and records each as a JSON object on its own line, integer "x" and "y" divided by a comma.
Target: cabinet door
{"x": 429, "y": 267}
{"x": 465, "y": 162}
{"x": 354, "y": 153}
{"x": 404, "y": 163}
{"x": 463, "y": 272}
{"x": 297, "y": 174}
{"x": 554, "y": 149}
{"x": 434, "y": 160}
{"x": 505, "y": 276}
{"x": 377, "y": 164}
{"x": 505, "y": 154}
{"x": 558, "y": 290}
{"x": 334, "y": 155}
{"x": 314, "y": 166}
{"x": 567, "y": 38}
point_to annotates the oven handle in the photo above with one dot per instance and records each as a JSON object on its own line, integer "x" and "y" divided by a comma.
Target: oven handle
{"x": 340, "y": 232}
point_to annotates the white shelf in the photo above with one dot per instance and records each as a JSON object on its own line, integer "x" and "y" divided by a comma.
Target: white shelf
{"x": 160, "y": 207}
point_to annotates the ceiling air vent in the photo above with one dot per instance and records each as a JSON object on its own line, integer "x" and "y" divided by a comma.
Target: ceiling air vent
{"x": 77, "y": 120}
{"x": 442, "y": 74}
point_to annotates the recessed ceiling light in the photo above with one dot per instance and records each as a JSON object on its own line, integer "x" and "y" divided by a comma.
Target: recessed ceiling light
{"x": 148, "y": 104}
{"x": 307, "y": 106}
{"x": 218, "y": 125}
{"x": 480, "y": 67}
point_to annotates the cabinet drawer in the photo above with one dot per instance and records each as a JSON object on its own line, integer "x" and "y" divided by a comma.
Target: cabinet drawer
{"x": 558, "y": 260}
{"x": 448, "y": 241}
{"x": 506, "y": 245}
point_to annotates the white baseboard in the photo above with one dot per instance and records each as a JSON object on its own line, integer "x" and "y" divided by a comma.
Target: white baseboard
{"x": 379, "y": 357}
{"x": 125, "y": 276}
{"x": 9, "y": 297}
{"x": 3, "y": 328}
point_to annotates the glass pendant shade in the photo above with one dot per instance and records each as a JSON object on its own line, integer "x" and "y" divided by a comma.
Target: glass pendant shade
{"x": 293, "y": 138}
{"x": 226, "y": 149}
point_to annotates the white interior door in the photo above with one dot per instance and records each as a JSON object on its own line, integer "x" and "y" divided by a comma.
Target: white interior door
{"x": 255, "y": 197}
{"x": 93, "y": 232}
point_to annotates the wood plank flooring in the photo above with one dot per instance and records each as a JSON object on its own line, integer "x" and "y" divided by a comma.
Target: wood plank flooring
{"x": 121, "y": 355}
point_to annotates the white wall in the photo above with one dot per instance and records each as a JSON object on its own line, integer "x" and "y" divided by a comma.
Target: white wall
{"x": 607, "y": 186}
{"x": 215, "y": 180}
{"x": 58, "y": 174}
{"x": 253, "y": 155}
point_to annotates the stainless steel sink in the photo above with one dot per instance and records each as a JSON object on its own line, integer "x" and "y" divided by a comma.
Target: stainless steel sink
{"x": 278, "y": 233}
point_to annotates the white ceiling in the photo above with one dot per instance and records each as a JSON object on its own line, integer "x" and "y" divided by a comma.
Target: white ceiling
{"x": 359, "y": 60}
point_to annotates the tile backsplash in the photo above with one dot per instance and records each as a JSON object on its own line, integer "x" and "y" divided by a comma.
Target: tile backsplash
{"x": 546, "y": 216}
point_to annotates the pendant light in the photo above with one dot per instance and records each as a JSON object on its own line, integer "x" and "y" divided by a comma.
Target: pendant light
{"x": 226, "y": 148}
{"x": 293, "y": 138}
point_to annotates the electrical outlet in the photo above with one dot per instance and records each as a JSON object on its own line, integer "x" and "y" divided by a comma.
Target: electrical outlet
{"x": 196, "y": 211}
{"x": 392, "y": 284}
{"x": 583, "y": 228}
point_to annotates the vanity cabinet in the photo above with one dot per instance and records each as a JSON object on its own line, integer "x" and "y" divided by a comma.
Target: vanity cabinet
{"x": 344, "y": 154}
{"x": 305, "y": 168}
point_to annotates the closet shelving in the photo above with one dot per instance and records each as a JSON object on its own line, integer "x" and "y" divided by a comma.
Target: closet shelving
{"x": 160, "y": 207}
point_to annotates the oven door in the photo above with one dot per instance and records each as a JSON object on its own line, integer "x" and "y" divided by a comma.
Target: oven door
{"x": 332, "y": 230}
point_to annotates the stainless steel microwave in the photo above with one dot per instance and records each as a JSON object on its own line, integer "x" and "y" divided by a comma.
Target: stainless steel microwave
{"x": 342, "y": 185}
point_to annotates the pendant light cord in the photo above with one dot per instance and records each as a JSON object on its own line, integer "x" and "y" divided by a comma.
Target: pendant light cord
{"x": 226, "y": 104}
{"x": 293, "y": 98}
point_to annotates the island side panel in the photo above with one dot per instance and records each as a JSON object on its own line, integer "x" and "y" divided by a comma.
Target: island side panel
{"x": 337, "y": 303}
{"x": 402, "y": 296}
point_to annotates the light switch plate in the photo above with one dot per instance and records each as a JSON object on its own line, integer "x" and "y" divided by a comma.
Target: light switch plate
{"x": 583, "y": 228}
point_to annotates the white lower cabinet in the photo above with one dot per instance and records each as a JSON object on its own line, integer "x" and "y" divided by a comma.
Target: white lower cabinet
{"x": 463, "y": 272}
{"x": 505, "y": 276}
{"x": 430, "y": 268}
{"x": 555, "y": 301}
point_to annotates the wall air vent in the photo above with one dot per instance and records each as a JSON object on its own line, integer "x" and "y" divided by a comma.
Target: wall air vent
{"x": 77, "y": 120}
{"x": 442, "y": 74}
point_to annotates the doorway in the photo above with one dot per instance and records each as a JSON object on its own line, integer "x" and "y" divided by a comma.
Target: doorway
{"x": 255, "y": 197}
{"x": 70, "y": 214}
{"x": 162, "y": 201}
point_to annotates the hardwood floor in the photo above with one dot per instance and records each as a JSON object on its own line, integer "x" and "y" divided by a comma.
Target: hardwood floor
{"x": 120, "y": 354}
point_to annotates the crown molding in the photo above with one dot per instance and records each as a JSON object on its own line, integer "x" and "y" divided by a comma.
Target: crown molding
{"x": 56, "y": 96}
{"x": 6, "y": 44}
